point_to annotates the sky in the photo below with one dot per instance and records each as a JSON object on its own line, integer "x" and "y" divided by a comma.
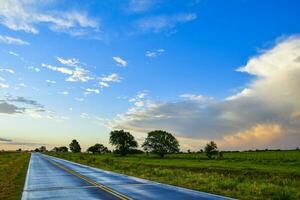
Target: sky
{"x": 203, "y": 70}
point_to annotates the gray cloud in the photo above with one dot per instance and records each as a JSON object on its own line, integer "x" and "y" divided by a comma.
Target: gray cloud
{"x": 5, "y": 140}
{"x": 20, "y": 105}
{"x": 7, "y": 108}
{"x": 24, "y": 101}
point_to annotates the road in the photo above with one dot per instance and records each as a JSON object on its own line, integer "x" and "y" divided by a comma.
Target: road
{"x": 53, "y": 178}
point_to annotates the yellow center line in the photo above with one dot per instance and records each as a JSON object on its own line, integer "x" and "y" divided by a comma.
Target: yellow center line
{"x": 98, "y": 185}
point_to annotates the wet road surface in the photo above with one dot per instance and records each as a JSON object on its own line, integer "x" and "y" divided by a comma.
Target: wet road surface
{"x": 53, "y": 178}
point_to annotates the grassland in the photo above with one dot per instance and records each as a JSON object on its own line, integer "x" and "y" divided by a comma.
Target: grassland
{"x": 243, "y": 175}
{"x": 13, "y": 168}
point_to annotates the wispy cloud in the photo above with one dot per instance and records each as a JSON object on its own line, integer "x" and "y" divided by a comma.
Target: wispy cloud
{"x": 58, "y": 69}
{"x": 111, "y": 78}
{"x": 138, "y": 6}
{"x": 103, "y": 84}
{"x": 3, "y": 85}
{"x": 51, "y": 82}
{"x": 155, "y": 53}
{"x": 194, "y": 97}
{"x": 12, "y": 40}
{"x": 160, "y": 23}
{"x": 120, "y": 61}
{"x": 11, "y": 71}
{"x": 73, "y": 62}
{"x": 64, "y": 93}
{"x": 77, "y": 74}
{"x": 26, "y": 15}
{"x": 90, "y": 91}
{"x": 13, "y": 53}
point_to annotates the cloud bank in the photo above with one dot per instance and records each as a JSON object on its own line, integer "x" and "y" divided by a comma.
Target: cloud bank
{"x": 266, "y": 114}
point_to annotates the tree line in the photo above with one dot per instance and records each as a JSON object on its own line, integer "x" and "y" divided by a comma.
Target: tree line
{"x": 157, "y": 142}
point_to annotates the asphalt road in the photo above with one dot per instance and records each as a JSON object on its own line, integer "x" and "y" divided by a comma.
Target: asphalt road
{"x": 54, "y": 178}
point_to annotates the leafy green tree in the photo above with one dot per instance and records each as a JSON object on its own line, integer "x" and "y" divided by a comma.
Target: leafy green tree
{"x": 123, "y": 141}
{"x": 63, "y": 149}
{"x": 211, "y": 149}
{"x": 75, "y": 147}
{"x": 161, "y": 143}
{"x": 42, "y": 149}
{"x": 60, "y": 149}
{"x": 98, "y": 148}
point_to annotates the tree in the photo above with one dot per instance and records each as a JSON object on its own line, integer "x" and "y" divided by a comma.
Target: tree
{"x": 74, "y": 146}
{"x": 42, "y": 149}
{"x": 60, "y": 149}
{"x": 97, "y": 148}
{"x": 123, "y": 141}
{"x": 63, "y": 149}
{"x": 211, "y": 149}
{"x": 161, "y": 143}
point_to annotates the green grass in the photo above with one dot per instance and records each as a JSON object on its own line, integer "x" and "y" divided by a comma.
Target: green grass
{"x": 243, "y": 175}
{"x": 13, "y": 168}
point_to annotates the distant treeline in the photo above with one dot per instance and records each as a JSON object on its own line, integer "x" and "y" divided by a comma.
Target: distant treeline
{"x": 157, "y": 142}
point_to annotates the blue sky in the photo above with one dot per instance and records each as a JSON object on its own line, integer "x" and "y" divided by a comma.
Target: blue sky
{"x": 79, "y": 69}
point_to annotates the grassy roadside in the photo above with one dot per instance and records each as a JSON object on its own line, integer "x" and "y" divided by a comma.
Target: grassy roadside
{"x": 13, "y": 168}
{"x": 254, "y": 175}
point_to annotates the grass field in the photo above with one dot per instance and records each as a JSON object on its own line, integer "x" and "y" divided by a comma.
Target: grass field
{"x": 243, "y": 175}
{"x": 13, "y": 168}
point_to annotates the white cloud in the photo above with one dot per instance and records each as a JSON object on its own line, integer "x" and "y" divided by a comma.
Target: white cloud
{"x": 85, "y": 116}
{"x": 51, "y": 82}
{"x": 244, "y": 93}
{"x": 80, "y": 74}
{"x": 90, "y": 90}
{"x": 111, "y": 78}
{"x": 34, "y": 68}
{"x": 103, "y": 84}
{"x": 157, "y": 24}
{"x": 79, "y": 99}
{"x": 77, "y": 74}
{"x": 139, "y": 100}
{"x": 193, "y": 97}
{"x": 138, "y": 6}
{"x": 22, "y": 85}
{"x": 64, "y": 93}
{"x": 3, "y": 85}
{"x": 7, "y": 70}
{"x": 120, "y": 61}
{"x": 139, "y": 96}
{"x": 266, "y": 114}
{"x": 59, "y": 69}
{"x": 12, "y": 40}
{"x": 73, "y": 62}
{"x": 13, "y": 53}
{"x": 26, "y": 15}
{"x": 155, "y": 53}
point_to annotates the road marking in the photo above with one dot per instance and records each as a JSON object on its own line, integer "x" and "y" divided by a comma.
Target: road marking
{"x": 59, "y": 188}
{"x": 98, "y": 185}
